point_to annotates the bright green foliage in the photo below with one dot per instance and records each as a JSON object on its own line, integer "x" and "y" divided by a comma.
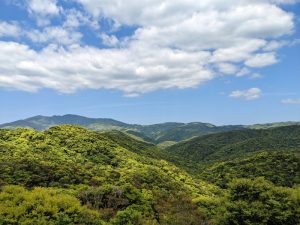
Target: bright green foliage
{"x": 124, "y": 203}
{"x": 115, "y": 178}
{"x": 70, "y": 175}
{"x": 43, "y": 206}
{"x": 221, "y": 158}
{"x": 258, "y": 202}
{"x": 183, "y": 213}
{"x": 282, "y": 168}
{"x": 135, "y": 145}
{"x": 253, "y": 202}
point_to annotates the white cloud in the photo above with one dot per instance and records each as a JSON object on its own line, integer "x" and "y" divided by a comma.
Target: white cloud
{"x": 109, "y": 40}
{"x": 42, "y": 10}
{"x": 250, "y": 94}
{"x": 234, "y": 27}
{"x": 43, "y": 7}
{"x": 227, "y": 68}
{"x": 178, "y": 44}
{"x": 57, "y": 35}
{"x": 274, "y": 45}
{"x": 132, "y": 71}
{"x": 256, "y": 76}
{"x": 164, "y": 12}
{"x": 291, "y": 101}
{"x": 262, "y": 60}
{"x": 244, "y": 71}
{"x": 9, "y": 29}
{"x": 238, "y": 52}
{"x": 75, "y": 18}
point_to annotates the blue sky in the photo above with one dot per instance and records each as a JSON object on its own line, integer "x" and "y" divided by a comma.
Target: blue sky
{"x": 224, "y": 62}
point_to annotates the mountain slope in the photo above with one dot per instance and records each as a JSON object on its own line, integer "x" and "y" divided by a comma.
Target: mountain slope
{"x": 71, "y": 175}
{"x": 234, "y": 144}
{"x": 181, "y": 131}
{"x": 135, "y": 145}
{"x": 116, "y": 180}
{"x": 280, "y": 167}
{"x": 156, "y": 133}
{"x": 44, "y": 122}
{"x": 272, "y": 125}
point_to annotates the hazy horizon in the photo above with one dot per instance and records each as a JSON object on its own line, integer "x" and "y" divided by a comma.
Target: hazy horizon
{"x": 149, "y": 123}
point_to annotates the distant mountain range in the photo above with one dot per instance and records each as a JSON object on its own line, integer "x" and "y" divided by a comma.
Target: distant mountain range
{"x": 156, "y": 133}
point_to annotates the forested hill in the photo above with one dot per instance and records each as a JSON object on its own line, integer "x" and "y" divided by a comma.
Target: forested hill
{"x": 88, "y": 178}
{"x": 280, "y": 167}
{"x": 44, "y": 122}
{"x": 234, "y": 144}
{"x": 71, "y": 175}
{"x": 156, "y": 133}
{"x": 220, "y": 158}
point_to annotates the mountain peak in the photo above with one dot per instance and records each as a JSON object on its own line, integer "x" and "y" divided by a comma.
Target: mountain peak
{"x": 156, "y": 133}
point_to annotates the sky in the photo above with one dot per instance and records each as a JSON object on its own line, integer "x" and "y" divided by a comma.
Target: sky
{"x": 151, "y": 61}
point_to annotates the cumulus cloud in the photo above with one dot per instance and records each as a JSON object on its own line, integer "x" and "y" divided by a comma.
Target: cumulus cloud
{"x": 176, "y": 44}
{"x": 256, "y": 76}
{"x": 165, "y": 12}
{"x": 76, "y": 18}
{"x": 274, "y": 45}
{"x": 11, "y": 29}
{"x": 57, "y": 35}
{"x": 43, "y": 7}
{"x": 42, "y": 10}
{"x": 250, "y": 94}
{"x": 291, "y": 101}
{"x": 227, "y": 68}
{"x": 262, "y": 60}
{"x": 109, "y": 40}
{"x": 131, "y": 70}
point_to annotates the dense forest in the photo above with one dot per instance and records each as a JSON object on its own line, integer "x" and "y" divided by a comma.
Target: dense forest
{"x": 71, "y": 175}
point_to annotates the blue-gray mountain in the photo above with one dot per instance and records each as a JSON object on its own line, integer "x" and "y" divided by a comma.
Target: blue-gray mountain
{"x": 156, "y": 133}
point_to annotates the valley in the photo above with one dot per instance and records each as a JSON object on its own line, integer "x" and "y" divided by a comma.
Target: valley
{"x": 69, "y": 174}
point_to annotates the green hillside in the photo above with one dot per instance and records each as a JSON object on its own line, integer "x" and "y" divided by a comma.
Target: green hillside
{"x": 135, "y": 145}
{"x": 71, "y": 175}
{"x": 229, "y": 145}
{"x": 280, "y": 167}
{"x": 181, "y": 131}
{"x": 272, "y": 125}
{"x": 104, "y": 180}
